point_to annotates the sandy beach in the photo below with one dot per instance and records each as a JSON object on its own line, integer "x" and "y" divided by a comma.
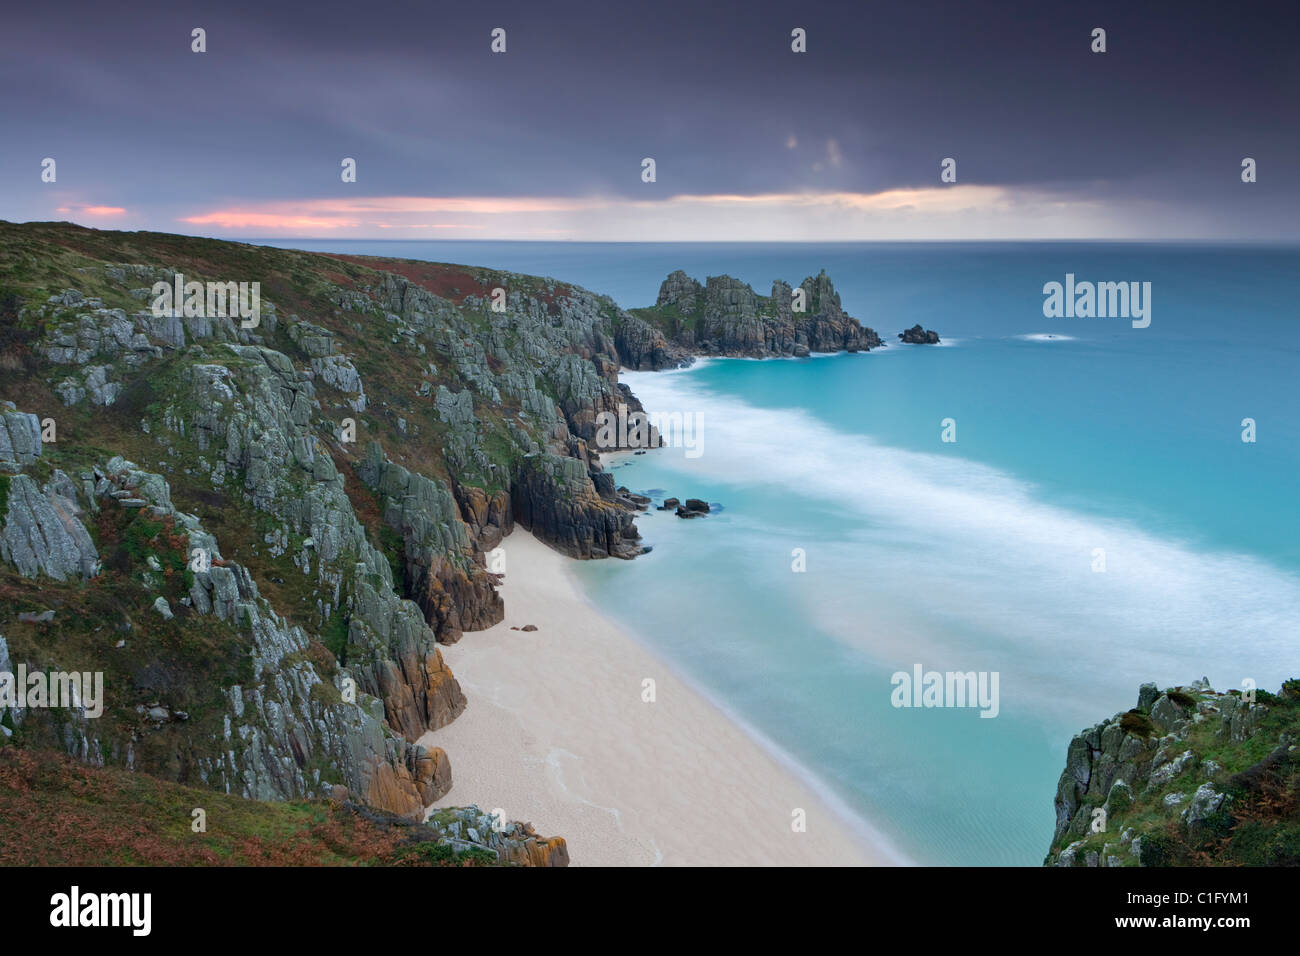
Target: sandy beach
{"x": 557, "y": 733}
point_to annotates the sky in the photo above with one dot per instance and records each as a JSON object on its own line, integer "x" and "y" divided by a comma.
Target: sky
{"x": 750, "y": 140}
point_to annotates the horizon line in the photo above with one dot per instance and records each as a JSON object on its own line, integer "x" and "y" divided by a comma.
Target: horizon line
{"x": 1148, "y": 240}
{"x": 751, "y": 242}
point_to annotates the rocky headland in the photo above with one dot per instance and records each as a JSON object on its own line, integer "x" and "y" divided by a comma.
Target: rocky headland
{"x": 1190, "y": 776}
{"x": 261, "y": 533}
{"x": 726, "y": 317}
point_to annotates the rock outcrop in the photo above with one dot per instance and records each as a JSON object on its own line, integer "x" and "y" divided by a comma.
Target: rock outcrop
{"x": 693, "y": 508}
{"x": 512, "y": 843}
{"x": 919, "y": 336}
{"x": 725, "y": 316}
{"x": 42, "y": 531}
{"x": 262, "y": 535}
{"x": 555, "y": 499}
{"x": 282, "y": 725}
{"x": 1178, "y": 781}
{"x": 20, "y": 438}
{"x": 443, "y": 563}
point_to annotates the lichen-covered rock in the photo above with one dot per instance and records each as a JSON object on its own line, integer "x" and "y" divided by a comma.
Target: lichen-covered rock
{"x": 1142, "y": 773}
{"x": 511, "y": 842}
{"x": 338, "y": 372}
{"x": 43, "y": 533}
{"x": 443, "y": 564}
{"x": 1205, "y": 801}
{"x": 20, "y": 438}
{"x": 288, "y": 722}
{"x": 554, "y": 498}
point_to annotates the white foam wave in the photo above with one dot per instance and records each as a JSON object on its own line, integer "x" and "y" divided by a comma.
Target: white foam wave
{"x": 977, "y": 548}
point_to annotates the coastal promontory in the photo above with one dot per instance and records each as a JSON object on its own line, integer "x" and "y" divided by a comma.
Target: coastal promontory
{"x": 726, "y": 317}
{"x": 1190, "y": 776}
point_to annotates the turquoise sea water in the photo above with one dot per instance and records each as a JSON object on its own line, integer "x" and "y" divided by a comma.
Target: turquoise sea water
{"x": 977, "y": 554}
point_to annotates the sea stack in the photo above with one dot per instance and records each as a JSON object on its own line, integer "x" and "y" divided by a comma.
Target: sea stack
{"x": 919, "y": 336}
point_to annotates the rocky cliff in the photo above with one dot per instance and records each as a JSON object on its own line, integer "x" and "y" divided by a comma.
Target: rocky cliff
{"x": 1190, "y": 776}
{"x": 261, "y": 532}
{"x": 727, "y": 317}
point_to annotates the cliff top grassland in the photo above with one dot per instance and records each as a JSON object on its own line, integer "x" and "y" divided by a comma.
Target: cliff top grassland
{"x": 55, "y": 811}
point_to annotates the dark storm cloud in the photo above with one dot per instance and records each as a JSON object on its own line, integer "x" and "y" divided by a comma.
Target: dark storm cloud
{"x": 711, "y": 91}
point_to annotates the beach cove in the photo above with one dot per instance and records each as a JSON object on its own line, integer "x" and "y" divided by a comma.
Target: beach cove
{"x": 557, "y": 733}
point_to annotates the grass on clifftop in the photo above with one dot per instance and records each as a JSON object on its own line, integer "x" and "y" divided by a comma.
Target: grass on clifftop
{"x": 1259, "y": 824}
{"x": 57, "y": 812}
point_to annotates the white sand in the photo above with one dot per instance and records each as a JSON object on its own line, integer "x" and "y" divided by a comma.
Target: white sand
{"x": 556, "y": 733}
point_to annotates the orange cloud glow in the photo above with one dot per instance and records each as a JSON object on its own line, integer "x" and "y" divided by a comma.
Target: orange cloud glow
{"x": 93, "y": 210}
{"x": 345, "y": 214}
{"x": 940, "y": 212}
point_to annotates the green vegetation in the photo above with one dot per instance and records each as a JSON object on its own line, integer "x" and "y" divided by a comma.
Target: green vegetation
{"x": 1137, "y": 723}
{"x": 1183, "y": 700}
{"x": 671, "y": 319}
{"x": 334, "y": 635}
{"x": 256, "y": 484}
{"x": 1259, "y": 822}
{"x": 131, "y": 819}
{"x": 443, "y": 854}
{"x": 394, "y": 549}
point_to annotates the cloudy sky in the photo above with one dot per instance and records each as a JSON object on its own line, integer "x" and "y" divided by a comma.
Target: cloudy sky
{"x": 750, "y": 140}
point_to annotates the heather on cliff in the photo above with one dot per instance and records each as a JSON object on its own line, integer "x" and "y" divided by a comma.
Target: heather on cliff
{"x": 130, "y": 819}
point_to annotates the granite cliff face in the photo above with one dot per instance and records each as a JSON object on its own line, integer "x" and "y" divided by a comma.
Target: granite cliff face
{"x": 727, "y": 317}
{"x": 1190, "y": 776}
{"x": 260, "y": 533}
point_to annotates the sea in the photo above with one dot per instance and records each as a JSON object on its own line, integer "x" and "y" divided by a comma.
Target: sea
{"x": 1068, "y": 506}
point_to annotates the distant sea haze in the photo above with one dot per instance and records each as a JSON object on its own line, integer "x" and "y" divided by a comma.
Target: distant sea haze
{"x": 1098, "y": 522}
